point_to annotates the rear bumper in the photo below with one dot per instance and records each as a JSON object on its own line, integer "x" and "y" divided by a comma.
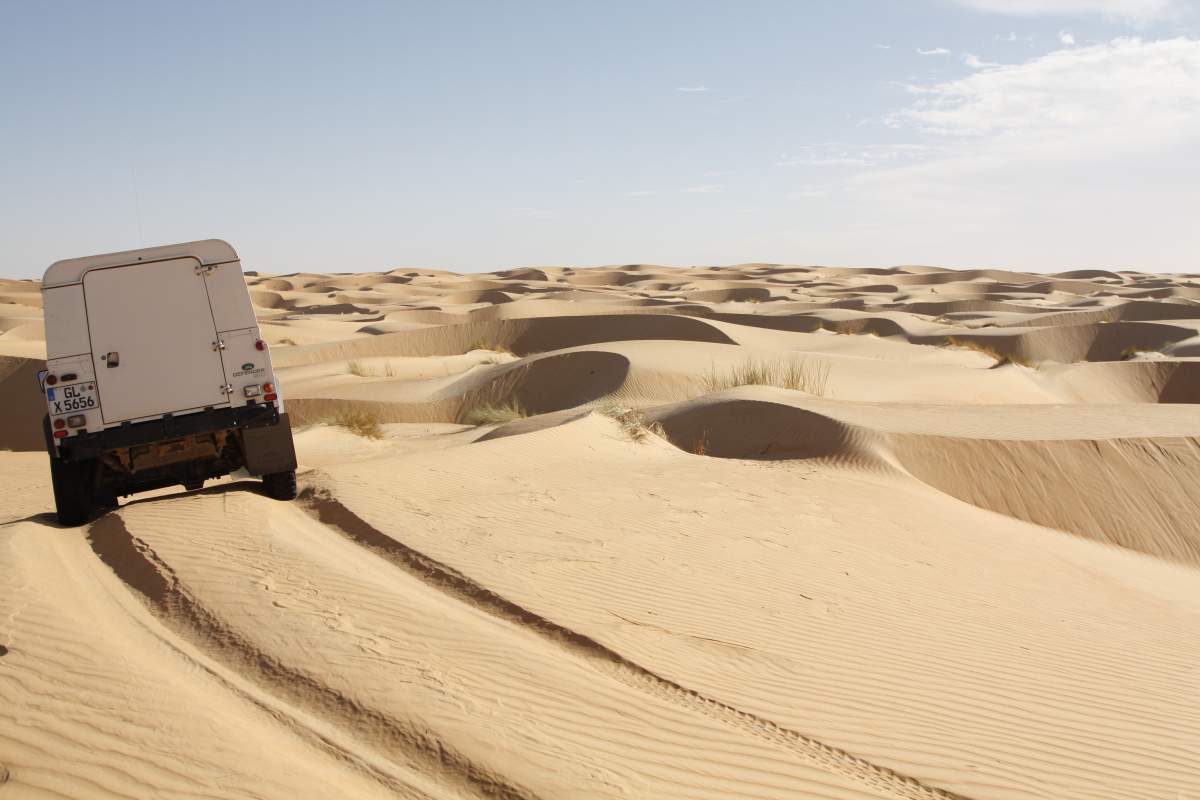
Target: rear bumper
{"x": 90, "y": 445}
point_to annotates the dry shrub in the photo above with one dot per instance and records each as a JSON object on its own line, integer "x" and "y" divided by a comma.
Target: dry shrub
{"x": 362, "y": 423}
{"x": 489, "y": 345}
{"x": 492, "y": 414}
{"x": 805, "y": 376}
{"x": 364, "y": 370}
{"x": 632, "y": 422}
{"x": 988, "y": 350}
{"x": 853, "y": 327}
{"x": 1132, "y": 351}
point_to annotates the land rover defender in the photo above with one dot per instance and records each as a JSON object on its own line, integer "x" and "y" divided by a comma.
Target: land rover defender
{"x": 157, "y": 375}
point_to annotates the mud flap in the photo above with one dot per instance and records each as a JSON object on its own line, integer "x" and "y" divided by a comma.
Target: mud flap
{"x": 269, "y": 448}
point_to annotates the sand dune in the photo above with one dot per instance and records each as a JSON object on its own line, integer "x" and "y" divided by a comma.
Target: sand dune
{"x": 23, "y": 404}
{"x": 765, "y": 531}
{"x": 1136, "y": 477}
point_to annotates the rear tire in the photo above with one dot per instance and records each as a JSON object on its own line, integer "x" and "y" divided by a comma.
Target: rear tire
{"x": 280, "y": 485}
{"x": 72, "y": 490}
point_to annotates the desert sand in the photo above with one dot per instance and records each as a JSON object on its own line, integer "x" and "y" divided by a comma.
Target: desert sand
{"x": 760, "y": 531}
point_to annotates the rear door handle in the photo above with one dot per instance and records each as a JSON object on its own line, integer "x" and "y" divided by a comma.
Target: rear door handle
{"x": 111, "y": 360}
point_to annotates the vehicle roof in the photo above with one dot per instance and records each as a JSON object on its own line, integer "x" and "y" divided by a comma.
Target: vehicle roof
{"x": 71, "y": 270}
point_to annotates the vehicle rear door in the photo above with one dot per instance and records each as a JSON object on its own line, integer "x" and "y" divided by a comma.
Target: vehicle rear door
{"x": 153, "y": 340}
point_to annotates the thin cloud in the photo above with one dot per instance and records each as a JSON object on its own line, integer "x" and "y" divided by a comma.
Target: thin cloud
{"x": 1126, "y": 93}
{"x": 1139, "y": 12}
{"x": 975, "y": 62}
{"x": 884, "y": 46}
{"x": 823, "y": 162}
{"x": 1067, "y": 38}
{"x": 691, "y": 88}
{"x": 937, "y": 51}
{"x": 641, "y": 193}
{"x": 834, "y": 154}
{"x": 807, "y": 194}
{"x": 531, "y": 212}
{"x": 711, "y": 188}
{"x": 1016, "y": 148}
{"x": 1011, "y": 36}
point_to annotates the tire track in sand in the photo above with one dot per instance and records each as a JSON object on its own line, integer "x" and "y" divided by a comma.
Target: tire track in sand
{"x": 142, "y": 570}
{"x": 444, "y": 578}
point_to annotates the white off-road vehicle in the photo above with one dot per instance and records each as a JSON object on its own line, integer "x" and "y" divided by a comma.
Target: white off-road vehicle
{"x": 156, "y": 375}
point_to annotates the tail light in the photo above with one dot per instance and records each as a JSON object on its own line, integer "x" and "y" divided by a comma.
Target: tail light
{"x": 251, "y": 391}
{"x": 51, "y": 380}
{"x": 270, "y": 398}
{"x": 59, "y": 424}
{"x": 260, "y": 345}
{"x": 76, "y": 421}
{"x": 268, "y": 388}
{"x": 60, "y": 434}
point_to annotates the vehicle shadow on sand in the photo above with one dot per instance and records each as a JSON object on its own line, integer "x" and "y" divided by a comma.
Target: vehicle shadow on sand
{"x": 48, "y": 518}
{"x": 250, "y": 486}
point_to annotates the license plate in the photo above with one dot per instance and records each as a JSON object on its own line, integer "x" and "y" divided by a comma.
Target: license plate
{"x": 76, "y": 397}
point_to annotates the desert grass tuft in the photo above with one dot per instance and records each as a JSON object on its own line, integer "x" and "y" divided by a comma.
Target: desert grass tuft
{"x": 493, "y": 414}
{"x": 362, "y": 423}
{"x": 489, "y": 345}
{"x": 805, "y": 376}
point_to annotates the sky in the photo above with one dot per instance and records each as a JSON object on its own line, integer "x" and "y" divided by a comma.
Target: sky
{"x": 1040, "y": 135}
